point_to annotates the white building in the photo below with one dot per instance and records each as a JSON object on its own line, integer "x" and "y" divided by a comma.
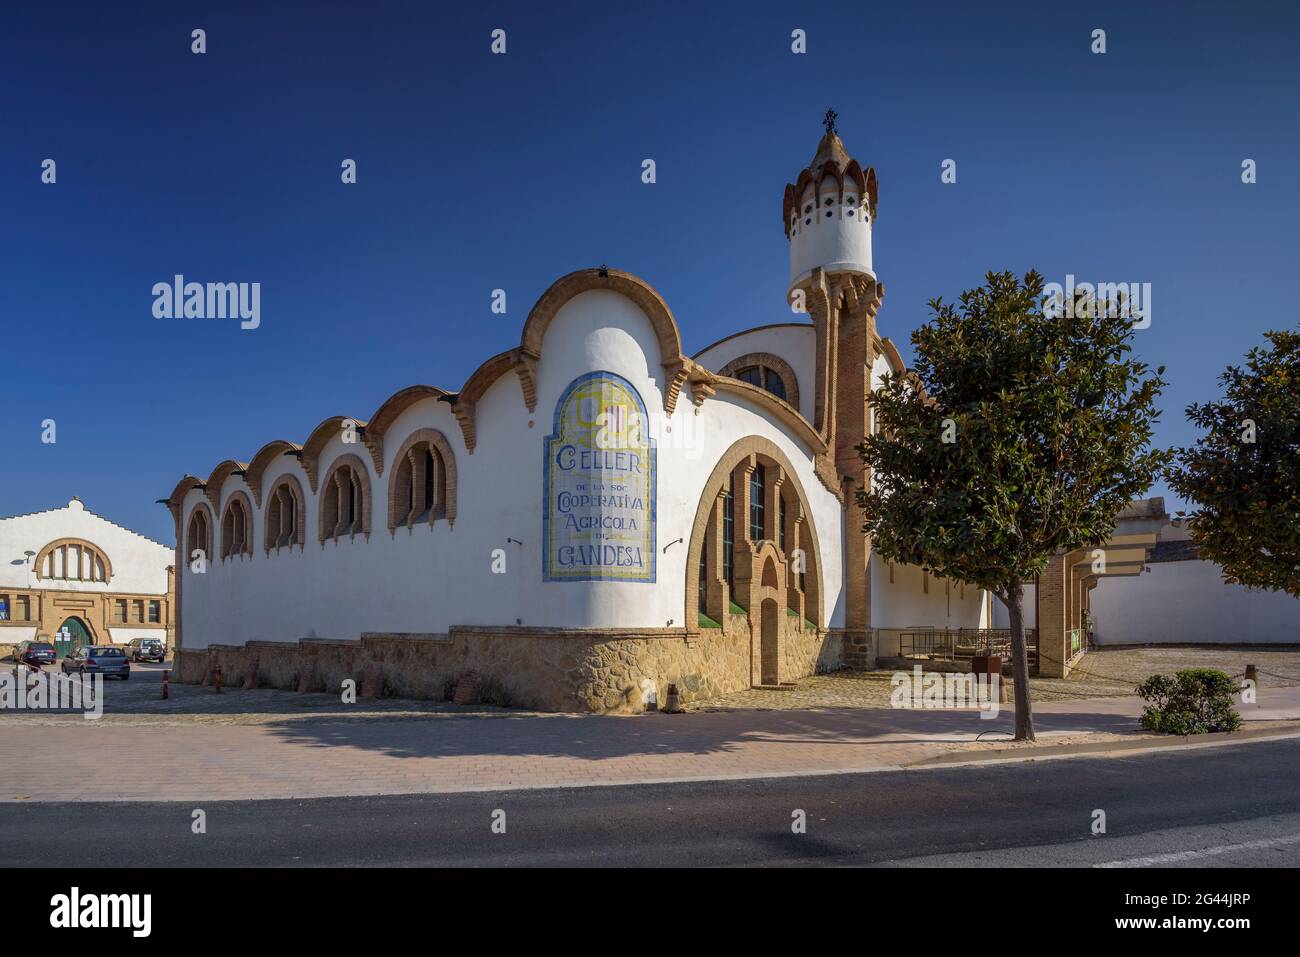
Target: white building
{"x": 592, "y": 516}
{"x": 1181, "y": 598}
{"x": 67, "y": 571}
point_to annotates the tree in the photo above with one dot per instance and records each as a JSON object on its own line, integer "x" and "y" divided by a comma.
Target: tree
{"x": 1244, "y": 471}
{"x": 1022, "y": 431}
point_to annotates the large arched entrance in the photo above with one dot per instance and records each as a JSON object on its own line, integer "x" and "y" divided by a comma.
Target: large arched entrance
{"x": 73, "y": 633}
{"x": 755, "y": 560}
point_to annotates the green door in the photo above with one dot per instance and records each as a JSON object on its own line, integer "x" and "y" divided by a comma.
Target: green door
{"x": 77, "y": 634}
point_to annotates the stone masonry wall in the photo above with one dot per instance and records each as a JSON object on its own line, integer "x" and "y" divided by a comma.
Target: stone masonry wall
{"x": 527, "y": 668}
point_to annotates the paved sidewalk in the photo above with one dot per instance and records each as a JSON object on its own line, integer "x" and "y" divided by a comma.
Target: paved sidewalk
{"x": 66, "y": 758}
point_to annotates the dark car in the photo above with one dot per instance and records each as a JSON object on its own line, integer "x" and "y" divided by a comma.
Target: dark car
{"x": 146, "y": 649}
{"x": 98, "y": 661}
{"x": 35, "y": 653}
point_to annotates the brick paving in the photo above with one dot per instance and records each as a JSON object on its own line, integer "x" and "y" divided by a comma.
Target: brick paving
{"x": 269, "y": 744}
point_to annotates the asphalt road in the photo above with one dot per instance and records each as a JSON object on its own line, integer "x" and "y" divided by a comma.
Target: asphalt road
{"x": 1230, "y": 806}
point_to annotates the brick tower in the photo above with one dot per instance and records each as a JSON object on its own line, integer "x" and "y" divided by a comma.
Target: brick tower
{"x": 829, "y": 214}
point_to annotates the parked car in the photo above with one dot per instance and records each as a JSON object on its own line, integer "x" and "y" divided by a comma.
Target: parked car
{"x": 146, "y": 649}
{"x": 98, "y": 661}
{"x": 35, "y": 653}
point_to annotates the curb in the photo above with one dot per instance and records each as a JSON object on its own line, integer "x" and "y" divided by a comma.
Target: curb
{"x": 1107, "y": 748}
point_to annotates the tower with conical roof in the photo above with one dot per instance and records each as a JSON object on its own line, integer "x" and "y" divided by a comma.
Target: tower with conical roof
{"x": 829, "y": 212}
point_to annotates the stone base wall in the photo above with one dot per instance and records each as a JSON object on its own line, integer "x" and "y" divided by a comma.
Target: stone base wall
{"x": 534, "y": 668}
{"x": 858, "y": 650}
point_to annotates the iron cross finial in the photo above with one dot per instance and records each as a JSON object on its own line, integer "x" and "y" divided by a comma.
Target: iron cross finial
{"x": 829, "y": 121}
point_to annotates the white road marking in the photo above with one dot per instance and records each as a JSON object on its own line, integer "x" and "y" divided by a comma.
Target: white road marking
{"x": 1158, "y": 860}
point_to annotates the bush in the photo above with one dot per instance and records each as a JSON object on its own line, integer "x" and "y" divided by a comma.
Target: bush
{"x": 1195, "y": 701}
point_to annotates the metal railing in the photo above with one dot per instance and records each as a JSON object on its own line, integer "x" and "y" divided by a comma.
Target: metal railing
{"x": 961, "y": 644}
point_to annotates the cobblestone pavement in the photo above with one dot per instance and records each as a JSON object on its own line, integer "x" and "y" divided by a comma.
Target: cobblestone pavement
{"x": 1104, "y": 672}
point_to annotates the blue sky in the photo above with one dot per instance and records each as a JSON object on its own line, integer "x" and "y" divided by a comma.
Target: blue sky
{"x": 478, "y": 172}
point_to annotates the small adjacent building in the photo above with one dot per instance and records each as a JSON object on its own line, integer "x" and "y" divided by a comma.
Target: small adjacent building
{"x": 73, "y": 577}
{"x": 1181, "y": 598}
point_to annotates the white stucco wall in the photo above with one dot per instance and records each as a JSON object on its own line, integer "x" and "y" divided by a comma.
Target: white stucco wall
{"x": 835, "y": 237}
{"x": 427, "y": 580}
{"x": 905, "y": 603}
{"x": 1001, "y": 619}
{"x": 796, "y": 343}
{"x": 1188, "y": 601}
{"x": 139, "y": 565}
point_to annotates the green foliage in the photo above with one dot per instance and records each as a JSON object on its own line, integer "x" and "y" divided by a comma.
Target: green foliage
{"x": 1053, "y": 420}
{"x": 1195, "y": 701}
{"x": 1248, "y": 492}
{"x": 707, "y": 622}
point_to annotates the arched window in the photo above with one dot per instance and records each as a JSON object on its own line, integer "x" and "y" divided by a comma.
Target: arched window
{"x": 767, "y": 371}
{"x": 345, "y": 500}
{"x": 729, "y": 532}
{"x": 763, "y": 377}
{"x": 198, "y": 536}
{"x": 422, "y": 484}
{"x": 73, "y": 559}
{"x": 284, "y": 514}
{"x": 757, "y": 496}
{"x": 237, "y": 527}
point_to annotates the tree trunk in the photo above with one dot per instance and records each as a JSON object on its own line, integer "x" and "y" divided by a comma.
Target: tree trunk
{"x": 1020, "y": 661}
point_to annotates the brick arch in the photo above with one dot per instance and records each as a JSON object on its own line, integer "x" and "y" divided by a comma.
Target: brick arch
{"x": 439, "y": 443}
{"x": 392, "y": 407}
{"x": 176, "y": 499}
{"x": 892, "y": 355}
{"x": 773, "y": 362}
{"x": 270, "y": 452}
{"x": 218, "y": 478}
{"x": 365, "y": 506}
{"x": 767, "y": 453}
{"x": 631, "y": 287}
{"x": 299, "y": 537}
{"x": 319, "y": 438}
{"x": 241, "y": 539}
{"x": 95, "y": 551}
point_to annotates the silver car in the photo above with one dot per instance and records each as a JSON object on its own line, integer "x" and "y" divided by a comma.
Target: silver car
{"x": 98, "y": 661}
